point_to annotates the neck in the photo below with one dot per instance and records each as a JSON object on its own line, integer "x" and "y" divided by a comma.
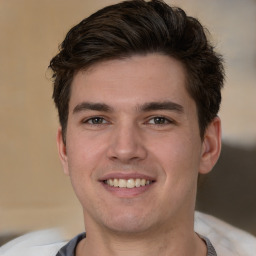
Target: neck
{"x": 177, "y": 241}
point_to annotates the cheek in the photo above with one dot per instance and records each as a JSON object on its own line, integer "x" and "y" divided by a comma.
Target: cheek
{"x": 83, "y": 151}
{"x": 84, "y": 155}
{"x": 81, "y": 166}
{"x": 179, "y": 157}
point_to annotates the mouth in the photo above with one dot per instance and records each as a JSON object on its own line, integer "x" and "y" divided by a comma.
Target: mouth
{"x": 127, "y": 183}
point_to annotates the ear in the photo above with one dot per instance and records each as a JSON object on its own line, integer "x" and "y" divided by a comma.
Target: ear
{"x": 211, "y": 146}
{"x": 62, "y": 151}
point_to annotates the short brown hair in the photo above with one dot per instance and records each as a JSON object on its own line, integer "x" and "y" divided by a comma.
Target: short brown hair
{"x": 137, "y": 27}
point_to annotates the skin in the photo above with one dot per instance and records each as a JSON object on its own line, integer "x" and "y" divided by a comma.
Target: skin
{"x": 133, "y": 118}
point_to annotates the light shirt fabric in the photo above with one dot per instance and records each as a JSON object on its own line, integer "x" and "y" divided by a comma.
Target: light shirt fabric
{"x": 70, "y": 248}
{"x": 226, "y": 239}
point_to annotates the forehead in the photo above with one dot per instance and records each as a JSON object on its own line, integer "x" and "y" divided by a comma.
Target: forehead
{"x": 137, "y": 79}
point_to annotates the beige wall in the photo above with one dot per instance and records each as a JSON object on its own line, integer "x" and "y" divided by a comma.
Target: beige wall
{"x": 34, "y": 193}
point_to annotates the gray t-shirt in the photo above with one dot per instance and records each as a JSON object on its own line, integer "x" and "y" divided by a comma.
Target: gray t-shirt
{"x": 70, "y": 248}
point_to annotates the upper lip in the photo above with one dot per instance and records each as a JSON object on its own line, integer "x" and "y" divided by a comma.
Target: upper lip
{"x": 126, "y": 176}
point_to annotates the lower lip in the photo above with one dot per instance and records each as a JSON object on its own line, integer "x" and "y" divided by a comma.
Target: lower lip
{"x": 127, "y": 192}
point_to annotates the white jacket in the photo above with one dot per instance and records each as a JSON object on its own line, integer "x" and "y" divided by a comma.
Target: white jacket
{"x": 226, "y": 239}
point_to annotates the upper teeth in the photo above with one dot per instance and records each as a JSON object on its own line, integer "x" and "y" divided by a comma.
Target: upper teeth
{"x": 130, "y": 183}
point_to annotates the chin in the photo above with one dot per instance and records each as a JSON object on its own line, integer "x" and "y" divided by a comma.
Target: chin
{"x": 129, "y": 222}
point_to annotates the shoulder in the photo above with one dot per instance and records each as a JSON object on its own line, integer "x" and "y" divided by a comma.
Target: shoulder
{"x": 40, "y": 243}
{"x": 226, "y": 239}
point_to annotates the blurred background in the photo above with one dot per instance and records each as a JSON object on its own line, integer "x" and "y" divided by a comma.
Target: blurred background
{"x": 34, "y": 192}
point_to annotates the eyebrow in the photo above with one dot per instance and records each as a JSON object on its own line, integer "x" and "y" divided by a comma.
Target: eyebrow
{"x": 92, "y": 106}
{"x": 147, "y": 107}
{"x": 166, "y": 105}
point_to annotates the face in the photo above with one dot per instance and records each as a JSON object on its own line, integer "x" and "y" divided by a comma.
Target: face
{"x": 133, "y": 148}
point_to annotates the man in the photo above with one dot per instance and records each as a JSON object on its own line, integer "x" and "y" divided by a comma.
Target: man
{"x": 137, "y": 88}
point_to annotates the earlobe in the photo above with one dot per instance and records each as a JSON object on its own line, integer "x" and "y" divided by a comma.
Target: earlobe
{"x": 211, "y": 146}
{"x": 62, "y": 151}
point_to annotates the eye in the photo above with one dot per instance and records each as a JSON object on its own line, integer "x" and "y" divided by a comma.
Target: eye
{"x": 159, "y": 120}
{"x": 95, "y": 120}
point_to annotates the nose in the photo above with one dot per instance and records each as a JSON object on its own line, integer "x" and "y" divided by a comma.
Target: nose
{"x": 126, "y": 144}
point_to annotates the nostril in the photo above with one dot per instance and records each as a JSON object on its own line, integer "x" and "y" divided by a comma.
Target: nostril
{"x": 127, "y": 153}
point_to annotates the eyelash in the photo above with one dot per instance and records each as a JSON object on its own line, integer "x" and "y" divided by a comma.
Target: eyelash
{"x": 163, "y": 121}
{"x": 91, "y": 120}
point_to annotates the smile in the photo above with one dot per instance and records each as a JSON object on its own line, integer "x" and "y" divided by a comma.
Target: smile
{"x": 130, "y": 183}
